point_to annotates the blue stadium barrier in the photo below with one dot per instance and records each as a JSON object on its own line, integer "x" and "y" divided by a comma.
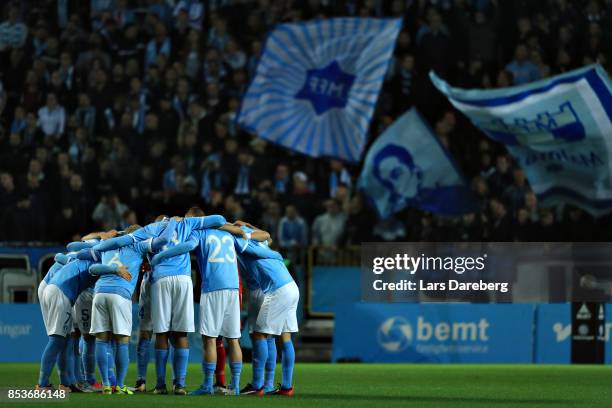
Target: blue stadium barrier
{"x": 326, "y": 282}
{"x": 445, "y": 333}
{"x": 23, "y": 336}
{"x": 434, "y": 333}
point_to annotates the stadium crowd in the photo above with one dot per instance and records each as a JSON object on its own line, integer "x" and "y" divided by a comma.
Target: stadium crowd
{"x": 114, "y": 111}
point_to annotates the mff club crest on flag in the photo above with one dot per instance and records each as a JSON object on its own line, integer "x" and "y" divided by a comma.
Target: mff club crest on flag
{"x": 317, "y": 83}
{"x": 559, "y": 130}
{"x": 407, "y": 166}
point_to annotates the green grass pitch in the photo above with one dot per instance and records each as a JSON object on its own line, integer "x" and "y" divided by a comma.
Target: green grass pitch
{"x": 364, "y": 385}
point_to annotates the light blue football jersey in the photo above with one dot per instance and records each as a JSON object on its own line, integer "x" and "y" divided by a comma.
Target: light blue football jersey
{"x": 217, "y": 260}
{"x": 178, "y": 265}
{"x": 73, "y": 278}
{"x": 261, "y": 267}
{"x": 153, "y": 230}
{"x": 52, "y": 271}
{"x": 130, "y": 256}
{"x": 272, "y": 273}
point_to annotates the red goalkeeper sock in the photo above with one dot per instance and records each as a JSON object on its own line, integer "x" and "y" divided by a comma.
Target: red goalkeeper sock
{"x": 220, "y": 370}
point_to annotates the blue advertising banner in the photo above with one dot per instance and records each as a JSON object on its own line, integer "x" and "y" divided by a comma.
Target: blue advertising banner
{"x": 22, "y": 333}
{"x": 553, "y": 334}
{"x": 434, "y": 333}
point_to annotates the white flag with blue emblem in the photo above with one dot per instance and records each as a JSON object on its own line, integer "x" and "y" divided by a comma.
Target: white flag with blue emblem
{"x": 559, "y": 130}
{"x": 317, "y": 83}
{"x": 407, "y": 166}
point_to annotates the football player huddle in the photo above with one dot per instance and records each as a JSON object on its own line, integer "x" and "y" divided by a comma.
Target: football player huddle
{"x": 86, "y": 303}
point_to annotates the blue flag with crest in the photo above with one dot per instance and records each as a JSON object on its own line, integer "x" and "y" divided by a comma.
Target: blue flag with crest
{"x": 407, "y": 166}
{"x": 559, "y": 130}
{"x": 317, "y": 83}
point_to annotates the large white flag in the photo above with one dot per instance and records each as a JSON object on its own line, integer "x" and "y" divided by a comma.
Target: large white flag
{"x": 559, "y": 130}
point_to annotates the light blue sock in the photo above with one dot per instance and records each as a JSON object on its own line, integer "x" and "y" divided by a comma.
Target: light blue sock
{"x": 50, "y": 355}
{"x": 78, "y": 368}
{"x": 236, "y": 369}
{"x": 70, "y": 359}
{"x": 181, "y": 359}
{"x": 270, "y": 364}
{"x": 161, "y": 359}
{"x": 172, "y": 362}
{"x": 89, "y": 360}
{"x": 260, "y": 355}
{"x": 143, "y": 355}
{"x": 66, "y": 362}
{"x": 209, "y": 374}
{"x": 122, "y": 362}
{"x": 288, "y": 361}
{"x": 112, "y": 351}
{"x": 102, "y": 359}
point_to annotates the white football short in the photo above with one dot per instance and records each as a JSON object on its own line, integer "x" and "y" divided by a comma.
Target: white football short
{"x": 111, "y": 313}
{"x": 278, "y": 313}
{"x": 220, "y": 313}
{"x": 144, "y": 306}
{"x": 57, "y": 311}
{"x": 41, "y": 291}
{"x": 172, "y": 304}
{"x": 254, "y": 305}
{"x": 82, "y": 311}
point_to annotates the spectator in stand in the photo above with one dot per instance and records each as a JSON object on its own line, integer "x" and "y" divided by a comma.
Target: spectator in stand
{"x": 108, "y": 213}
{"x": 10, "y": 221}
{"x": 13, "y": 33}
{"x": 160, "y": 45}
{"x": 292, "y": 230}
{"x": 500, "y": 222}
{"x": 514, "y": 195}
{"x": 521, "y": 68}
{"x": 114, "y": 97}
{"x": 328, "y": 228}
{"x": 337, "y": 175}
{"x": 52, "y": 118}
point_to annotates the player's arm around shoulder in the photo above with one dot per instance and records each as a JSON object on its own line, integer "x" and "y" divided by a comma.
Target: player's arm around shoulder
{"x": 101, "y": 269}
{"x": 208, "y": 221}
{"x": 176, "y": 250}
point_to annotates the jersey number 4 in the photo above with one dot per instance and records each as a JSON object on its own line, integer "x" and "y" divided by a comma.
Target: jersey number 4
{"x": 217, "y": 244}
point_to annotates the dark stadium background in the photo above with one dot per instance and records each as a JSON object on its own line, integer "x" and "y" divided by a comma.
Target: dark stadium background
{"x": 148, "y": 97}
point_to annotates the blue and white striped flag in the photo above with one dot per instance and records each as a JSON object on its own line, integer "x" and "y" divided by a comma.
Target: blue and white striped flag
{"x": 559, "y": 130}
{"x": 407, "y": 166}
{"x": 317, "y": 83}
